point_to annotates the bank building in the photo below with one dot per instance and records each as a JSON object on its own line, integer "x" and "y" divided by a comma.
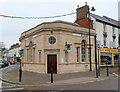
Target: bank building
{"x": 59, "y": 45}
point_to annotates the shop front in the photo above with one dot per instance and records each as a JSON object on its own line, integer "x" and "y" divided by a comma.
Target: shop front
{"x": 109, "y": 55}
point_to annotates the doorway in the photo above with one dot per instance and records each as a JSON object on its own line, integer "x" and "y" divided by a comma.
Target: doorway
{"x": 52, "y": 63}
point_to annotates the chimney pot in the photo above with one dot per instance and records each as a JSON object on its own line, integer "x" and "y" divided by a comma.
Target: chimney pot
{"x": 85, "y": 3}
{"x": 77, "y": 6}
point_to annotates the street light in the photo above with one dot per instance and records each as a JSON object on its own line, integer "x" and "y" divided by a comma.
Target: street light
{"x": 98, "y": 61}
{"x": 92, "y": 9}
{"x": 20, "y": 68}
{"x": 96, "y": 56}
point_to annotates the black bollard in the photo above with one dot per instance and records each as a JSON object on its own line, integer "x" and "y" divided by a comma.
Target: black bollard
{"x": 51, "y": 75}
{"x": 20, "y": 75}
{"x": 99, "y": 71}
{"x": 107, "y": 68}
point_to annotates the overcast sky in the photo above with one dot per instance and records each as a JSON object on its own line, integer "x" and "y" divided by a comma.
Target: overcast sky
{"x": 11, "y": 29}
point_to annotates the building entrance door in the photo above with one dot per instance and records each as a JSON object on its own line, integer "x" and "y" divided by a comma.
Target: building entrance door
{"x": 51, "y": 63}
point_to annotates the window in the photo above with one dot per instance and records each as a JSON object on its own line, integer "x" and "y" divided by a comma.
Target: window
{"x": 39, "y": 56}
{"x": 114, "y": 35}
{"x": 31, "y": 51}
{"x": 33, "y": 54}
{"x": 66, "y": 57}
{"x": 83, "y": 50}
{"x": 52, "y": 40}
{"x": 78, "y": 54}
{"x": 113, "y": 28}
{"x": 104, "y": 41}
{"x": 27, "y": 55}
{"x": 104, "y": 27}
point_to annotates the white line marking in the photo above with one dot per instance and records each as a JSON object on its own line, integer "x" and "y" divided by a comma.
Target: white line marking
{"x": 88, "y": 81}
{"x": 102, "y": 79}
{"x": 15, "y": 89}
{"x": 7, "y": 86}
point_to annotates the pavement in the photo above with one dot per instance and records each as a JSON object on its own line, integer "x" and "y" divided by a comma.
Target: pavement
{"x": 31, "y": 78}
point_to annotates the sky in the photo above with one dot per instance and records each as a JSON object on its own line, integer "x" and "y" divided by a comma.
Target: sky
{"x": 11, "y": 29}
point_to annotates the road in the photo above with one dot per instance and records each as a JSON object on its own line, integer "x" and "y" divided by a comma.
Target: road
{"x": 4, "y": 87}
{"x": 7, "y": 87}
{"x": 8, "y": 68}
{"x": 108, "y": 84}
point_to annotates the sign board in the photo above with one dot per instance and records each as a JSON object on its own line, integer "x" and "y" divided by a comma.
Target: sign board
{"x": 21, "y": 52}
{"x": 62, "y": 60}
{"x": 68, "y": 47}
{"x": 109, "y": 50}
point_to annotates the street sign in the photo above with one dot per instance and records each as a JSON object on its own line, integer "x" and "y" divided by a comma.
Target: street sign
{"x": 21, "y": 51}
{"x": 68, "y": 47}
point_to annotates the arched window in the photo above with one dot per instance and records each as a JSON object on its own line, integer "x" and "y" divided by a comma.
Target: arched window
{"x": 83, "y": 50}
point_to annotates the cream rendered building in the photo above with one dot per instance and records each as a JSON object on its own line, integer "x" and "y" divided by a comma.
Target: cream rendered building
{"x": 45, "y": 48}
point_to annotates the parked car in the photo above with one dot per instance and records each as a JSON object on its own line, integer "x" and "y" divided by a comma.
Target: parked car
{"x": 12, "y": 62}
{"x": 5, "y": 63}
{"x": 1, "y": 65}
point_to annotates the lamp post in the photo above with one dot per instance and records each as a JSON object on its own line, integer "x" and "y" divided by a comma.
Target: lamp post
{"x": 20, "y": 72}
{"x": 98, "y": 61}
{"x": 89, "y": 37}
{"x": 96, "y": 56}
{"x": 20, "y": 68}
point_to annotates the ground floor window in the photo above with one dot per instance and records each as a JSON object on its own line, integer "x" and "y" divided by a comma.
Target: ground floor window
{"x": 83, "y": 50}
{"x": 106, "y": 57}
{"x": 78, "y": 54}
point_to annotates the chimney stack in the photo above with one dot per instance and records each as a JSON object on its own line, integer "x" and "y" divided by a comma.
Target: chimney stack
{"x": 81, "y": 16}
{"x": 82, "y": 11}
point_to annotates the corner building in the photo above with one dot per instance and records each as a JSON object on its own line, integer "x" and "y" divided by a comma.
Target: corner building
{"x": 45, "y": 48}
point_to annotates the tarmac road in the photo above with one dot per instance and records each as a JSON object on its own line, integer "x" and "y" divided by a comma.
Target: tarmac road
{"x": 72, "y": 81}
{"x": 8, "y": 87}
{"x": 107, "y": 84}
{"x": 8, "y": 68}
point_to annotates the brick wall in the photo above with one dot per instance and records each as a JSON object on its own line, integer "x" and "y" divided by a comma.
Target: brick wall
{"x": 84, "y": 23}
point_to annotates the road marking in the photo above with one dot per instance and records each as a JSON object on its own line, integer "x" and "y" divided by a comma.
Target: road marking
{"x": 8, "y": 86}
{"x": 116, "y": 74}
{"x": 15, "y": 89}
{"x": 88, "y": 81}
{"x": 102, "y": 79}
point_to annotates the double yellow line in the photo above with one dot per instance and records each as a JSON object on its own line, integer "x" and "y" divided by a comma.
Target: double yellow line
{"x": 116, "y": 74}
